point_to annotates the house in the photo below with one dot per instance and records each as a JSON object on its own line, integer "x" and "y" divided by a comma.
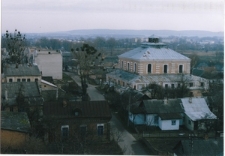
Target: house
{"x": 49, "y": 63}
{"x": 15, "y": 129}
{"x": 167, "y": 114}
{"x": 77, "y": 120}
{"x": 21, "y": 73}
{"x": 154, "y": 62}
{"x": 197, "y": 114}
{"x": 200, "y": 147}
{"x": 30, "y": 95}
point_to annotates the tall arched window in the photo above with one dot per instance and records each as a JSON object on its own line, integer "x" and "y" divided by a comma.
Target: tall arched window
{"x": 122, "y": 64}
{"x": 128, "y": 66}
{"x": 165, "y": 69}
{"x": 180, "y": 68}
{"x": 135, "y": 67}
{"x": 149, "y": 68}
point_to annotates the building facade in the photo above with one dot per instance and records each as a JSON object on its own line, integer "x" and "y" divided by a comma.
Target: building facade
{"x": 154, "y": 62}
{"x": 49, "y": 63}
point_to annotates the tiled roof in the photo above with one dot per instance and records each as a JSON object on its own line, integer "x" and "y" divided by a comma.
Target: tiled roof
{"x": 87, "y": 109}
{"x": 15, "y": 121}
{"x": 22, "y": 70}
{"x": 150, "y": 53}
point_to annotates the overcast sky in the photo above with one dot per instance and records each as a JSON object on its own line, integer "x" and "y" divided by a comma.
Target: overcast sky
{"x": 62, "y": 15}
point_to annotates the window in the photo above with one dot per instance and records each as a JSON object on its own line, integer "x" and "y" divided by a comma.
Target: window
{"x": 10, "y": 80}
{"x": 36, "y": 80}
{"x": 28, "y": 80}
{"x": 173, "y": 122}
{"x": 156, "y": 119}
{"x": 149, "y": 68}
{"x": 83, "y": 130}
{"x": 65, "y": 131}
{"x": 190, "y": 84}
{"x": 100, "y": 128}
{"x": 178, "y": 85}
{"x": 76, "y": 113}
{"x": 180, "y": 68}
{"x": 23, "y": 80}
{"x": 166, "y": 85}
{"x": 18, "y": 80}
{"x": 128, "y": 66}
{"x": 165, "y": 68}
{"x": 202, "y": 84}
{"x": 135, "y": 67}
{"x": 172, "y": 85}
{"x": 122, "y": 64}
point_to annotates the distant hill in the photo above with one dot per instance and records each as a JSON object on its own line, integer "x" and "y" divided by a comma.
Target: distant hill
{"x": 131, "y": 33}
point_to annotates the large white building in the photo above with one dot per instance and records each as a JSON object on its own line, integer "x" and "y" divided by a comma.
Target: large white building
{"x": 49, "y": 63}
{"x": 154, "y": 62}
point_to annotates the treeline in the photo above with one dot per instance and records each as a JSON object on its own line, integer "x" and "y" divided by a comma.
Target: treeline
{"x": 100, "y": 43}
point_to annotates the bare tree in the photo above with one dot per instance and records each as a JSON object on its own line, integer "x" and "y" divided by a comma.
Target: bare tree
{"x": 86, "y": 57}
{"x": 15, "y": 45}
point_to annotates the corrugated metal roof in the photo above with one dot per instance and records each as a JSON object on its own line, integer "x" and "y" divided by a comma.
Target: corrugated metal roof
{"x": 197, "y": 109}
{"x": 151, "y": 53}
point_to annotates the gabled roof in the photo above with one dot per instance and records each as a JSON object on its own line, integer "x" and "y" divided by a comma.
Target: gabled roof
{"x": 151, "y": 53}
{"x": 22, "y": 70}
{"x": 169, "y": 110}
{"x": 159, "y": 106}
{"x": 30, "y": 91}
{"x": 88, "y": 109}
{"x": 197, "y": 109}
{"x": 15, "y": 121}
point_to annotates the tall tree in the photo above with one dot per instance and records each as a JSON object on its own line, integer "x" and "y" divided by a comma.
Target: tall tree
{"x": 86, "y": 57}
{"x": 15, "y": 45}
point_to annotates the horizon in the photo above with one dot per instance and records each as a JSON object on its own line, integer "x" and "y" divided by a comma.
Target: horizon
{"x": 48, "y": 16}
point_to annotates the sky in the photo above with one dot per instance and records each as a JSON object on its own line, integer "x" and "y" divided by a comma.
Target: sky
{"x": 40, "y": 16}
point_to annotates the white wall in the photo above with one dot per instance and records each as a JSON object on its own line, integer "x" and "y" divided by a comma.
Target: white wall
{"x": 50, "y": 65}
{"x": 150, "y": 120}
{"x": 167, "y": 124}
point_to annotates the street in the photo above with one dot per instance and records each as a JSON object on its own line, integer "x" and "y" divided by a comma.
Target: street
{"x": 126, "y": 141}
